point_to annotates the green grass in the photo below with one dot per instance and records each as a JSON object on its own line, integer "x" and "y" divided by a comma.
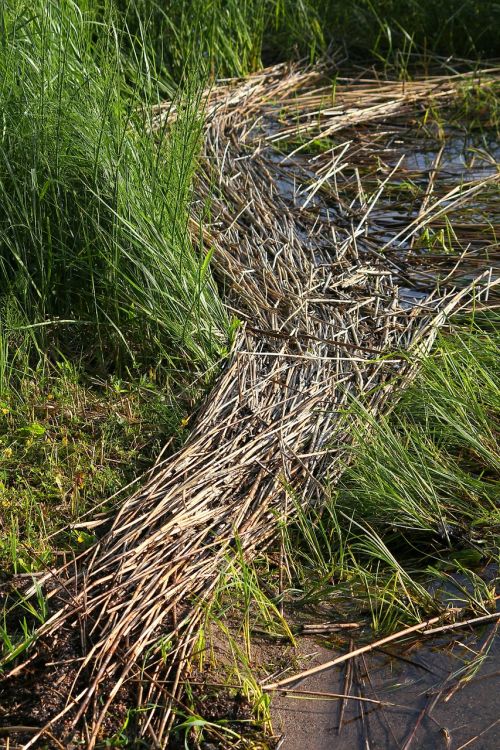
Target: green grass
{"x": 421, "y": 500}
{"x": 233, "y": 37}
{"x": 393, "y": 30}
{"x": 94, "y": 248}
{"x": 67, "y": 444}
{"x": 433, "y": 465}
{"x": 111, "y": 324}
{"x": 236, "y": 37}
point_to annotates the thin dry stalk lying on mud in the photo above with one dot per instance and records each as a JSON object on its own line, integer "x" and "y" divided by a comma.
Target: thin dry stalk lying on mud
{"x": 296, "y": 246}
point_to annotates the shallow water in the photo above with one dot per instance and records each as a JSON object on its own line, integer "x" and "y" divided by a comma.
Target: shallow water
{"x": 434, "y": 708}
{"x": 466, "y": 156}
{"x": 421, "y": 678}
{"x": 444, "y": 688}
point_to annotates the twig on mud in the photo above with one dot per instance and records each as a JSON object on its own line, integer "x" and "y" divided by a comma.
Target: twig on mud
{"x": 413, "y": 732}
{"x": 477, "y": 736}
{"x": 292, "y": 693}
{"x": 362, "y": 713}
{"x": 347, "y": 689}
{"x": 383, "y": 713}
{"x": 329, "y": 627}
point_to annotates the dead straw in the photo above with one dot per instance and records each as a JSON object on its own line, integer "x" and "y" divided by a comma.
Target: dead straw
{"x": 315, "y": 282}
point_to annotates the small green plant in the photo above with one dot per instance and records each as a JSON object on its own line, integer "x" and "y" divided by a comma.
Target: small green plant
{"x": 21, "y": 617}
{"x": 194, "y": 727}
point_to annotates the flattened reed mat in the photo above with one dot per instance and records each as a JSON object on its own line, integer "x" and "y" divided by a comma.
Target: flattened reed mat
{"x": 338, "y": 299}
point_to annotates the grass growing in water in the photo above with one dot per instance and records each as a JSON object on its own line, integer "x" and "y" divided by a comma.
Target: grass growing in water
{"x": 421, "y": 499}
{"x": 238, "y": 36}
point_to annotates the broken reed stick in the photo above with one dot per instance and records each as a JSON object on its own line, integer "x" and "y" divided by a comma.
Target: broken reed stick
{"x": 413, "y": 732}
{"x": 329, "y": 627}
{"x": 365, "y": 725}
{"x": 6, "y": 731}
{"x": 383, "y": 714}
{"x": 477, "y": 736}
{"x": 420, "y": 627}
{"x": 347, "y": 689}
{"x": 463, "y": 623}
{"x": 292, "y": 693}
{"x": 17, "y": 729}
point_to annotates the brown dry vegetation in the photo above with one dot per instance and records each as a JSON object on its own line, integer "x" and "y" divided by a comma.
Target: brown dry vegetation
{"x": 311, "y": 256}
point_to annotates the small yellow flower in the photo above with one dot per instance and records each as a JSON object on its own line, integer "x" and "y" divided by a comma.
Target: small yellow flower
{"x": 7, "y": 452}
{"x": 50, "y": 397}
{"x": 64, "y": 440}
{"x": 184, "y": 421}
{"x": 80, "y": 538}
{"x": 5, "y": 410}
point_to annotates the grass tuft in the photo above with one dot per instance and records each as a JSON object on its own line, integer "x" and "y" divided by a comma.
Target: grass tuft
{"x": 94, "y": 244}
{"x": 420, "y": 501}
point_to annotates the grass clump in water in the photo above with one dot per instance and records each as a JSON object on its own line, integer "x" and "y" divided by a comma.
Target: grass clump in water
{"x": 421, "y": 500}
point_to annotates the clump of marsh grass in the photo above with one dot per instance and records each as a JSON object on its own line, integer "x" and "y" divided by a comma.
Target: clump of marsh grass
{"x": 432, "y": 466}
{"x": 420, "y": 500}
{"x": 231, "y": 36}
{"x": 236, "y": 36}
{"x": 456, "y": 402}
{"x": 94, "y": 244}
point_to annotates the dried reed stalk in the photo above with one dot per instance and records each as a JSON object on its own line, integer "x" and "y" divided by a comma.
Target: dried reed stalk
{"x": 297, "y": 249}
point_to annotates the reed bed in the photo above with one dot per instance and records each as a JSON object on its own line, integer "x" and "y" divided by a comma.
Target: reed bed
{"x": 312, "y": 260}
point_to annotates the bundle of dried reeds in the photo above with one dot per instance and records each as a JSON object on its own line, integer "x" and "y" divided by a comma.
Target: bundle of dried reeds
{"x": 298, "y": 245}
